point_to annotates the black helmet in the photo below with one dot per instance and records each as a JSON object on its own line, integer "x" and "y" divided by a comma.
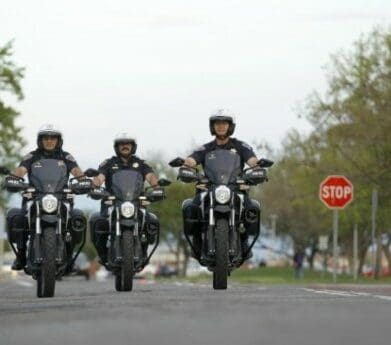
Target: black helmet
{"x": 49, "y": 129}
{"x": 222, "y": 115}
{"x": 123, "y": 138}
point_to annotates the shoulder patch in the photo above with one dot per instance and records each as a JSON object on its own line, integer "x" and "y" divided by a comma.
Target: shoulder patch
{"x": 247, "y": 146}
{"x": 27, "y": 157}
{"x": 69, "y": 157}
{"x": 201, "y": 148}
{"x": 101, "y": 165}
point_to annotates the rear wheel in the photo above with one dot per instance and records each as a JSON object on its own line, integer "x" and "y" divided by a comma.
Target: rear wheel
{"x": 220, "y": 274}
{"x": 124, "y": 278}
{"x": 46, "y": 279}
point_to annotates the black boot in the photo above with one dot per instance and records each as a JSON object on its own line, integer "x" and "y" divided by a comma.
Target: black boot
{"x": 19, "y": 262}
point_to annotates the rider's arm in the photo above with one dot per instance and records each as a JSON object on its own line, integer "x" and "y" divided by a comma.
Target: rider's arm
{"x": 103, "y": 169}
{"x": 252, "y": 162}
{"x": 190, "y": 162}
{"x": 197, "y": 157}
{"x": 99, "y": 180}
{"x": 72, "y": 165}
{"x": 152, "y": 179}
{"x": 248, "y": 154}
{"x": 149, "y": 174}
{"x": 77, "y": 172}
{"x": 20, "y": 171}
{"x": 24, "y": 166}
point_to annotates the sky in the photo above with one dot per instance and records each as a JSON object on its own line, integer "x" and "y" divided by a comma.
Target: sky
{"x": 157, "y": 69}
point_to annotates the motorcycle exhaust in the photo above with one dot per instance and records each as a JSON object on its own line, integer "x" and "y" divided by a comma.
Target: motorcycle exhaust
{"x": 78, "y": 223}
{"x": 78, "y": 226}
{"x": 251, "y": 216}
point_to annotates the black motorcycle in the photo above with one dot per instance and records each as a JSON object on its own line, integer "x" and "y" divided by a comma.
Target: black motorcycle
{"x": 127, "y": 225}
{"x": 225, "y": 216}
{"x": 51, "y": 228}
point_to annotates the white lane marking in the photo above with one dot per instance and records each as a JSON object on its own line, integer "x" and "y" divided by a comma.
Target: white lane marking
{"x": 348, "y": 294}
{"x": 387, "y": 298}
{"x": 364, "y": 294}
{"x": 331, "y": 292}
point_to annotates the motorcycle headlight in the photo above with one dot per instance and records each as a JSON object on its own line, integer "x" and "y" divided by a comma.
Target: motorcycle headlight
{"x": 223, "y": 194}
{"x": 49, "y": 203}
{"x": 127, "y": 209}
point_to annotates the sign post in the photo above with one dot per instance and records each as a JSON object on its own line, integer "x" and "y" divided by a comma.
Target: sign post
{"x": 336, "y": 192}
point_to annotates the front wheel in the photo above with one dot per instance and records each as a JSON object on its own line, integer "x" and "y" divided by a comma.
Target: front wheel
{"x": 220, "y": 273}
{"x": 46, "y": 280}
{"x": 124, "y": 278}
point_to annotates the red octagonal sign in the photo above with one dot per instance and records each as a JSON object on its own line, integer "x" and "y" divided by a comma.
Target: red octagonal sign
{"x": 336, "y": 191}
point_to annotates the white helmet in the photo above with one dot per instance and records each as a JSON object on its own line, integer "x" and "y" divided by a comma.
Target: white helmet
{"x": 222, "y": 115}
{"x": 49, "y": 129}
{"x": 125, "y": 138}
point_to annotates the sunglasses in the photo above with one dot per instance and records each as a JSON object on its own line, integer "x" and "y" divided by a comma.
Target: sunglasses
{"x": 49, "y": 137}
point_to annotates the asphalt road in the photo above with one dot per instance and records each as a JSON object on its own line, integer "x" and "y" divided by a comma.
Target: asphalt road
{"x": 92, "y": 313}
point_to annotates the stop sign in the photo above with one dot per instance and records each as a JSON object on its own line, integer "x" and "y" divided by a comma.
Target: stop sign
{"x": 336, "y": 191}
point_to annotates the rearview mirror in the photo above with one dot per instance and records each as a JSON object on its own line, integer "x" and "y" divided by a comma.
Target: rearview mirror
{"x": 177, "y": 162}
{"x": 4, "y": 171}
{"x": 265, "y": 163}
{"x": 164, "y": 182}
{"x": 91, "y": 172}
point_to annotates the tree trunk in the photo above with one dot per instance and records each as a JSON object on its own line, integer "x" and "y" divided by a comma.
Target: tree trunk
{"x": 387, "y": 254}
{"x": 362, "y": 251}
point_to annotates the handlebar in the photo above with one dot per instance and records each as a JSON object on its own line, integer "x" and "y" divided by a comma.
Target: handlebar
{"x": 250, "y": 176}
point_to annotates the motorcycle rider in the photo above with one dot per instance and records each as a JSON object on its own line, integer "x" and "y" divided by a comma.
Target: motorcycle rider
{"x": 222, "y": 126}
{"x": 49, "y": 146}
{"x": 125, "y": 147}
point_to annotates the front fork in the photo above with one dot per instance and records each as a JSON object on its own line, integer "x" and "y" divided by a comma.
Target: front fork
{"x": 210, "y": 236}
{"x": 38, "y": 258}
{"x": 235, "y": 248}
{"x": 118, "y": 237}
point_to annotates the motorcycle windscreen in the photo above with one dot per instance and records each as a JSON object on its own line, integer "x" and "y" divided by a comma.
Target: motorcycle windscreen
{"x": 222, "y": 166}
{"x": 49, "y": 175}
{"x": 127, "y": 184}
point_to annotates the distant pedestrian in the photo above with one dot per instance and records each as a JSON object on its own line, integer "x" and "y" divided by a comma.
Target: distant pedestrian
{"x": 298, "y": 260}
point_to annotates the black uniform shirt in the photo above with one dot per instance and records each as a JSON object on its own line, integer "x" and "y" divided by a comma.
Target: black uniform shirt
{"x": 244, "y": 150}
{"x": 38, "y": 154}
{"x": 113, "y": 164}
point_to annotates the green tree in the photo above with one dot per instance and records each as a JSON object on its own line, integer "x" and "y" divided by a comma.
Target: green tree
{"x": 170, "y": 210}
{"x": 11, "y": 141}
{"x": 350, "y": 136}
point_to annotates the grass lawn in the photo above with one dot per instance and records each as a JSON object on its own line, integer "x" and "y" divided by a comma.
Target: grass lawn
{"x": 285, "y": 275}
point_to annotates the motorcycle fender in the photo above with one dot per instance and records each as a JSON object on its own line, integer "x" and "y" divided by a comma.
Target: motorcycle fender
{"x": 49, "y": 218}
{"x": 222, "y": 209}
{"x": 127, "y": 222}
